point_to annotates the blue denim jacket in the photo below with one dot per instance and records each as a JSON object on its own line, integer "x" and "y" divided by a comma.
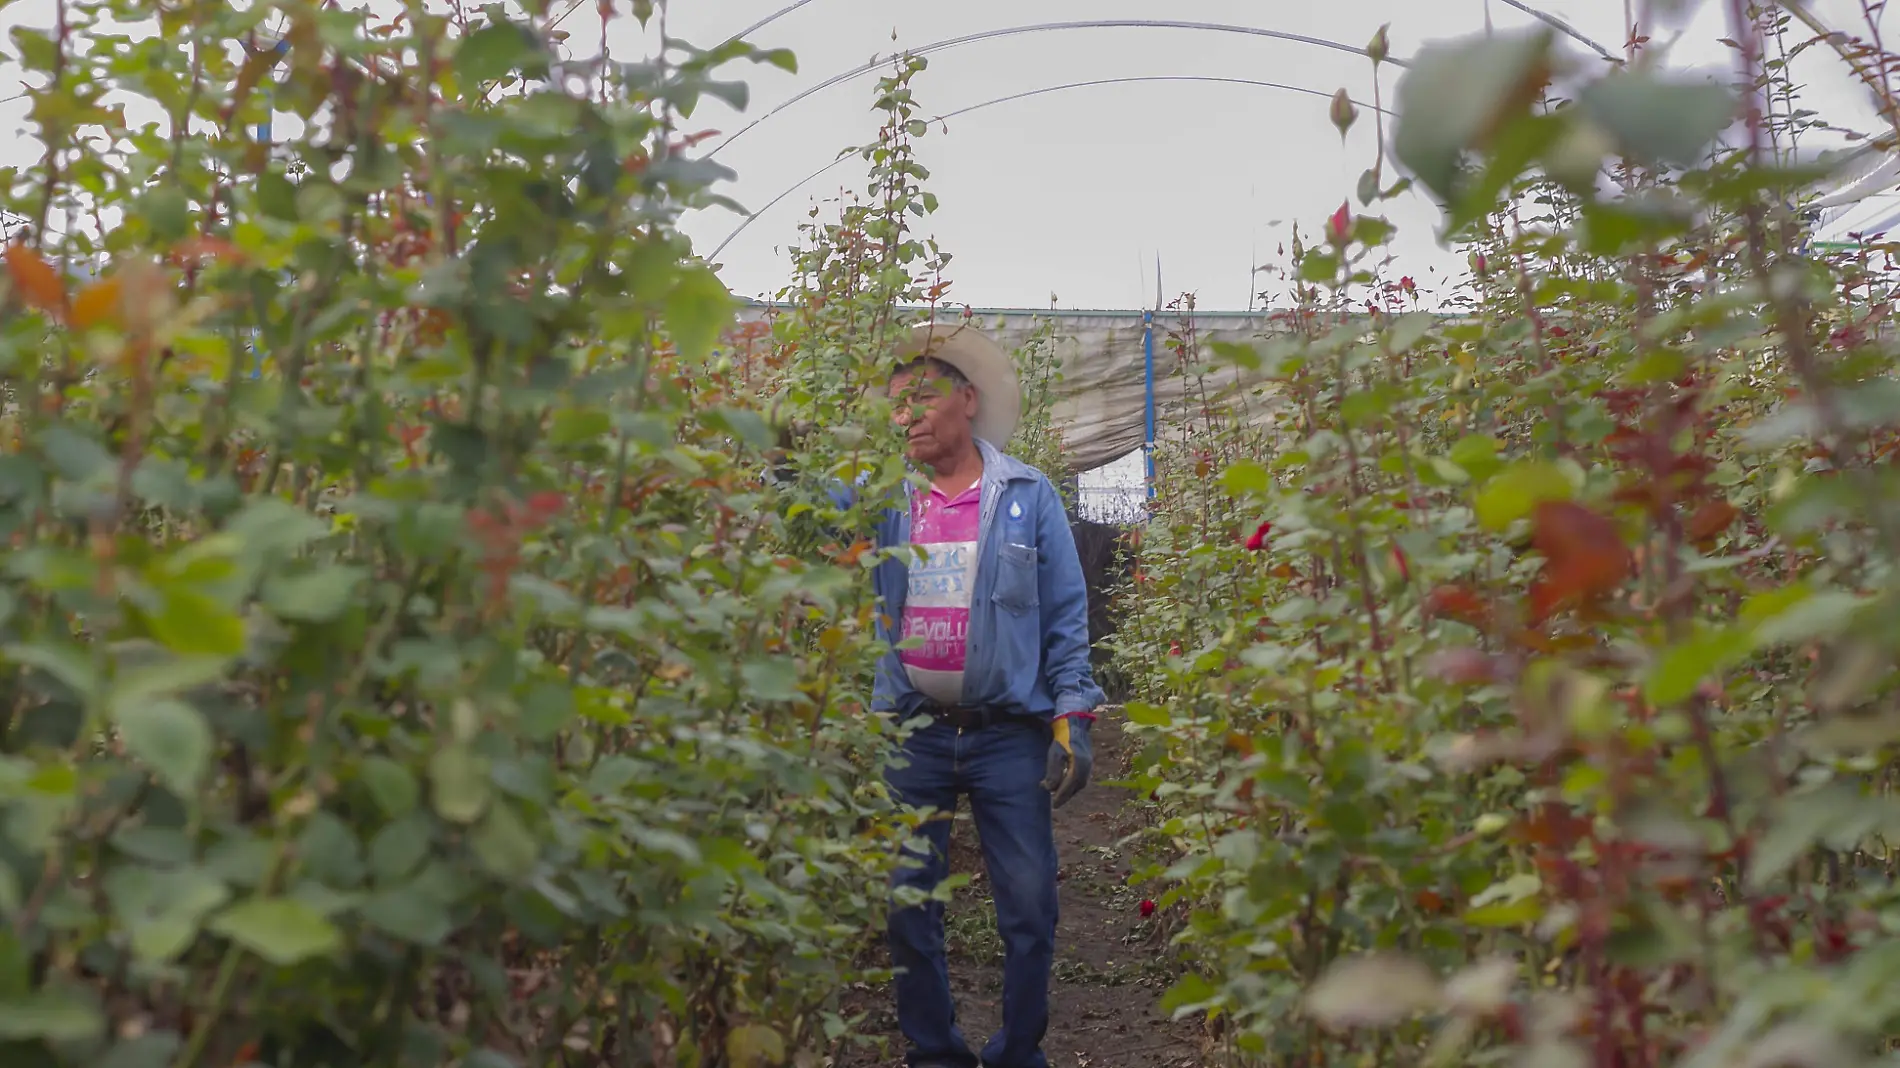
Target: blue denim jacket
{"x": 1029, "y": 621}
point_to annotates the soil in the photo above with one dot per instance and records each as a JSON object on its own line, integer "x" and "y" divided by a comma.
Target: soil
{"x": 1111, "y": 962}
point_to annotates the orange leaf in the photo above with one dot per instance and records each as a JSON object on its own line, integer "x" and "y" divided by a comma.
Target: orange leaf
{"x": 1710, "y": 519}
{"x": 36, "y": 280}
{"x": 850, "y": 556}
{"x": 97, "y": 303}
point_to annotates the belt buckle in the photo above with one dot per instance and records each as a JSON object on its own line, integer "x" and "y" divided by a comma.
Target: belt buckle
{"x": 968, "y": 717}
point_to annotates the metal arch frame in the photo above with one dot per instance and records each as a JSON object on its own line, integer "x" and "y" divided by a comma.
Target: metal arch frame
{"x": 1542, "y": 16}
{"x": 1012, "y": 97}
{"x": 1213, "y": 27}
{"x": 1041, "y": 27}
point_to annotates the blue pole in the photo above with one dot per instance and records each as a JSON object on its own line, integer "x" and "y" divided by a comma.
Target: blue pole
{"x": 1148, "y": 389}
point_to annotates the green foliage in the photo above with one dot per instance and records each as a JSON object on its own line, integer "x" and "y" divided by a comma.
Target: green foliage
{"x": 1038, "y": 442}
{"x": 1551, "y": 722}
{"x": 448, "y": 689}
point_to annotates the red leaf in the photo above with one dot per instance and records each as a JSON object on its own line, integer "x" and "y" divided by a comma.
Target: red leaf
{"x": 1584, "y": 555}
{"x": 1459, "y": 603}
{"x": 1553, "y": 826}
{"x": 1709, "y": 520}
{"x": 1462, "y": 666}
{"x": 546, "y": 504}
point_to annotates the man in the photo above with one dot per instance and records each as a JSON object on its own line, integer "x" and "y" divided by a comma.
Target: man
{"x": 1000, "y": 678}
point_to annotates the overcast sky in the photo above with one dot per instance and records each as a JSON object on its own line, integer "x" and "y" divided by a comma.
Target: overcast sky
{"x": 1074, "y": 195}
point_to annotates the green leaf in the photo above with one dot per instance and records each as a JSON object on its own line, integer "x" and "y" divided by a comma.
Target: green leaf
{"x": 1614, "y": 228}
{"x": 1408, "y": 330}
{"x": 269, "y": 526}
{"x": 74, "y": 456}
{"x": 1505, "y": 913}
{"x": 697, "y": 309}
{"x": 1319, "y": 267}
{"x": 1677, "y": 673}
{"x": 169, "y": 678}
{"x": 1189, "y": 994}
{"x": 1519, "y": 489}
{"x": 169, "y": 736}
{"x": 459, "y": 785}
{"x": 503, "y": 844}
{"x": 409, "y": 914}
{"x": 1658, "y": 119}
{"x": 394, "y": 788}
{"x": 494, "y": 51}
{"x": 65, "y": 663}
{"x": 1800, "y": 821}
{"x": 1245, "y": 478}
{"x": 400, "y": 847}
{"x": 772, "y": 679}
{"x": 163, "y": 909}
{"x": 1147, "y": 715}
{"x": 1368, "y": 189}
{"x": 1477, "y": 454}
{"x": 318, "y": 596}
{"x": 744, "y": 424}
{"x": 1458, "y": 93}
{"x": 755, "y": 1046}
{"x": 283, "y": 931}
{"x": 192, "y": 624}
{"x": 152, "y": 1050}
{"x": 1824, "y": 614}
{"x": 59, "y": 1014}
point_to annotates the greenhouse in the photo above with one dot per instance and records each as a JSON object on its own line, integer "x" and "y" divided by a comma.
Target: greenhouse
{"x": 855, "y": 533}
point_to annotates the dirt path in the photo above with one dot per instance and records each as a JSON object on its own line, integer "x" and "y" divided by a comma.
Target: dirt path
{"x": 1110, "y": 965}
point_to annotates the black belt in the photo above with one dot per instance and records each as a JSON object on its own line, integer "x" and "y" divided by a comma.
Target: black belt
{"x": 964, "y": 717}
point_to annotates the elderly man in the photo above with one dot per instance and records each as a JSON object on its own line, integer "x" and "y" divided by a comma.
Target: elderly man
{"x": 1000, "y": 673}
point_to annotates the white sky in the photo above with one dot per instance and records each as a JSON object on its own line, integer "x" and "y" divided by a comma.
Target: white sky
{"x": 1075, "y": 194}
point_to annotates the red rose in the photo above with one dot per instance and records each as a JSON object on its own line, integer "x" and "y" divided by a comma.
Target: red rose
{"x": 1147, "y": 908}
{"x": 1259, "y": 539}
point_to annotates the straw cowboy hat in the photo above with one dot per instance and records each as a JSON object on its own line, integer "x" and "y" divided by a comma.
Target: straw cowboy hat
{"x": 999, "y": 400}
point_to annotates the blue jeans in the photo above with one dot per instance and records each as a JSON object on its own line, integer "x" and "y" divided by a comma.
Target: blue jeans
{"x": 1000, "y": 768}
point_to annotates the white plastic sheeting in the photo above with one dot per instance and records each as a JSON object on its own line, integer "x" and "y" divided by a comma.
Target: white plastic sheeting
{"x": 1100, "y": 406}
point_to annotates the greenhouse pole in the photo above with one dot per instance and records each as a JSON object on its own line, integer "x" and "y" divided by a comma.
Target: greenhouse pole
{"x": 1148, "y": 393}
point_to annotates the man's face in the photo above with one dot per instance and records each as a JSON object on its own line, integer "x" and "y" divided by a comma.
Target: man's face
{"x": 935, "y": 414}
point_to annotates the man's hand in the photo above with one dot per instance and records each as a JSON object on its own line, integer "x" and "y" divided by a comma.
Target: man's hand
{"x": 1071, "y": 757}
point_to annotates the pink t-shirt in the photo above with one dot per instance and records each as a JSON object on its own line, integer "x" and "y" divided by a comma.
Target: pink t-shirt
{"x": 937, "y": 606}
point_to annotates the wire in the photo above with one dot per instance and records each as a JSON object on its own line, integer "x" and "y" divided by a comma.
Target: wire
{"x": 1044, "y": 27}
{"x": 764, "y": 22}
{"x": 1563, "y": 27}
{"x": 948, "y": 115}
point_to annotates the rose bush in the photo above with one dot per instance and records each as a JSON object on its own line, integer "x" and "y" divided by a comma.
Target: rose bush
{"x": 1513, "y": 676}
{"x": 405, "y": 661}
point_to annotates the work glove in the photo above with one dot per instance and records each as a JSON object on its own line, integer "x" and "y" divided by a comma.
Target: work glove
{"x": 1071, "y": 757}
